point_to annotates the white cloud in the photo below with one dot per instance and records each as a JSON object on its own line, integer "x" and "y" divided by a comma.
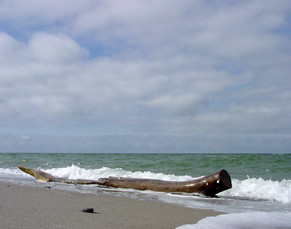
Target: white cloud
{"x": 185, "y": 104}
{"x": 57, "y": 49}
{"x": 146, "y": 67}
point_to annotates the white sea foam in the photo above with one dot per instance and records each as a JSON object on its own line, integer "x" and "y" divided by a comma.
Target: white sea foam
{"x": 261, "y": 189}
{"x": 75, "y": 172}
{"x": 11, "y": 172}
{"x": 251, "y": 220}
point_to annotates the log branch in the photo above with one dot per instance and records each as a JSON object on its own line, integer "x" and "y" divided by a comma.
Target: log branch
{"x": 208, "y": 185}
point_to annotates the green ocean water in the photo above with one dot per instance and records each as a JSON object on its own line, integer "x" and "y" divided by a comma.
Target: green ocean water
{"x": 275, "y": 167}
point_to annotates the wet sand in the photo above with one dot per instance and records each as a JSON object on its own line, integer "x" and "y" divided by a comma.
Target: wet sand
{"x": 38, "y": 207}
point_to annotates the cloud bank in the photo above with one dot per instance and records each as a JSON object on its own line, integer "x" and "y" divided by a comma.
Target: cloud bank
{"x": 145, "y": 76}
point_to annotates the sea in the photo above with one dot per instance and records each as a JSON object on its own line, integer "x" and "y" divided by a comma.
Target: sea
{"x": 260, "y": 196}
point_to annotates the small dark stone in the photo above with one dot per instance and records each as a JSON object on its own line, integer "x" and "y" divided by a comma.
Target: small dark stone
{"x": 88, "y": 210}
{"x": 47, "y": 187}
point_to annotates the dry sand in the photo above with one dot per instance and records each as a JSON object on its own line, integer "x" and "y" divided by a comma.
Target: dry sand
{"x": 34, "y": 207}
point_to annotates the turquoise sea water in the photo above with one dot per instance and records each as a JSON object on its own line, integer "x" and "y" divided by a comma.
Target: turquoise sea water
{"x": 261, "y": 182}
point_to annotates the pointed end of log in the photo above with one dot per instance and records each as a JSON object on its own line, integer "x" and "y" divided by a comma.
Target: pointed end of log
{"x": 26, "y": 170}
{"x": 40, "y": 175}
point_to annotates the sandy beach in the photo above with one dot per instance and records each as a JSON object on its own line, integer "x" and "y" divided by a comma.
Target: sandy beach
{"x": 38, "y": 207}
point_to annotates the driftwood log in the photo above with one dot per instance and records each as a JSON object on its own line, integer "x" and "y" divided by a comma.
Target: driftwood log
{"x": 208, "y": 185}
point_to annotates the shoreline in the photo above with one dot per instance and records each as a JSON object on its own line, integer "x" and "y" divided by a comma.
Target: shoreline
{"x": 36, "y": 207}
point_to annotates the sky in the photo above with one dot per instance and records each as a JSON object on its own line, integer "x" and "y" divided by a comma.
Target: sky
{"x": 128, "y": 76}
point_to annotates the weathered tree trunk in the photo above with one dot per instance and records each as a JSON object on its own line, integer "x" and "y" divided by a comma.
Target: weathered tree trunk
{"x": 207, "y": 185}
